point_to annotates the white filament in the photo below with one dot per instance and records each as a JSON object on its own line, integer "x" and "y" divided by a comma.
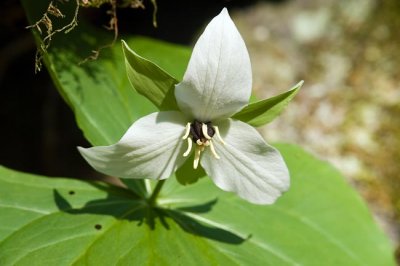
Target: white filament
{"x": 218, "y": 135}
{"x": 213, "y": 151}
{"x": 189, "y": 148}
{"x": 205, "y": 133}
{"x": 187, "y": 131}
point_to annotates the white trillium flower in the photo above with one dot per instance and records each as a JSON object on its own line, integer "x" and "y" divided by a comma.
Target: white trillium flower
{"x": 216, "y": 85}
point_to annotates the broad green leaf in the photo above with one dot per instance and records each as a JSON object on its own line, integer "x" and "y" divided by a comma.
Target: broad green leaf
{"x": 319, "y": 221}
{"x": 263, "y": 112}
{"x": 69, "y": 222}
{"x": 98, "y": 91}
{"x": 150, "y": 80}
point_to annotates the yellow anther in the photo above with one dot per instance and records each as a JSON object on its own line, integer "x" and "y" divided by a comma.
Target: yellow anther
{"x": 205, "y": 129}
{"x": 213, "y": 150}
{"x": 218, "y": 135}
{"x": 189, "y": 148}
{"x": 187, "y": 131}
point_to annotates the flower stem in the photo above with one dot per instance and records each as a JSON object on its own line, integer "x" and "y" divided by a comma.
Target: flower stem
{"x": 156, "y": 191}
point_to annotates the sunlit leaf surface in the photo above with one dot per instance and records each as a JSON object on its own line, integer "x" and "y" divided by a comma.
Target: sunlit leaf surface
{"x": 65, "y": 222}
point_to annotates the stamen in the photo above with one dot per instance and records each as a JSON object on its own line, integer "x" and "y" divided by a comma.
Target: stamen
{"x": 189, "y": 148}
{"x": 213, "y": 151}
{"x": 218, "y": 135}
{"x": 201, "y": 134}
{"x": 187, "y": 131}
{"x": 196, "y": 157}
{"x": 205, "y": 133}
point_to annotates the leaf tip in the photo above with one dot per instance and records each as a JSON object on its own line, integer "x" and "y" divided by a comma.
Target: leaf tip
{"x": 299, "y": 84}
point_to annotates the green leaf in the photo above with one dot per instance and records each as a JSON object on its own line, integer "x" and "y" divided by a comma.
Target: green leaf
{"x": 319, "y": 221}
{"x": 263, "y": 112}
{"x": 187, "y": 175}
{"x": 69, "y": 222}
{"x": 150, "y": 80}
{"x": 98, "y": 91}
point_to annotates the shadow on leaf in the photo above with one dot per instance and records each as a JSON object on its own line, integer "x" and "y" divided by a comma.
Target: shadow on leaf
{"x": 192, "y": 226}
{"x": 202, "y": 208}
{"x": 137, "y": 210}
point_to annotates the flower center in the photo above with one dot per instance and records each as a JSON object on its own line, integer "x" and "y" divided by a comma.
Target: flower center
{"x": 201, "y": 133}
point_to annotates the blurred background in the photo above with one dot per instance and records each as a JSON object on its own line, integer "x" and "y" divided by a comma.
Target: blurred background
{"x": 348, "y": 111}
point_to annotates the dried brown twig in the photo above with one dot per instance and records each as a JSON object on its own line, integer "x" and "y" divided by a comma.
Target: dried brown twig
{"x": 52, "y": 10}
{"x": 47, "y": 23}
{"x": 112, "y": 25}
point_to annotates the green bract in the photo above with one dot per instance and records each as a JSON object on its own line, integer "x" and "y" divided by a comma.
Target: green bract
{"x": 150, "y": 80}
{"x": 263, "y": 112}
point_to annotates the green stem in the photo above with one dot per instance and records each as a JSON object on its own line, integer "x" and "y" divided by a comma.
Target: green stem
{"x": 155, "y": 193}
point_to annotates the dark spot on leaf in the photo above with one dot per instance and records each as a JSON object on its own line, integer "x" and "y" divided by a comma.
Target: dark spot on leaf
{"x": 71, "y": 192}
{"x": 98, "y": 226}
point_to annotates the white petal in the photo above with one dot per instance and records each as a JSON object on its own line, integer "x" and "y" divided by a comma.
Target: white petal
{"x": 248, "y": 166}
{"x": 217, "y": 82}
{"x": 151, "y": 148}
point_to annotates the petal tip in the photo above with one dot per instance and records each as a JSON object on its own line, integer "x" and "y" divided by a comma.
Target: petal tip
{"x": 225, "y": 14}
{"x": 224, "y": 11}
{"x": 84, "y": 152}
{"x": 220, "y": 49}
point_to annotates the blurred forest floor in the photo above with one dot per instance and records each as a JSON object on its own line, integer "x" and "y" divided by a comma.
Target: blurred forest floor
{"x": 348, "y": 111}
